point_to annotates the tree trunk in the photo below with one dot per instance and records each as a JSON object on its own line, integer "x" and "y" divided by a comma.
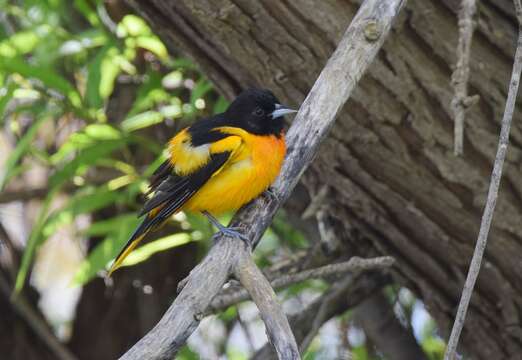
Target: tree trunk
{"x": 394, "y": 181}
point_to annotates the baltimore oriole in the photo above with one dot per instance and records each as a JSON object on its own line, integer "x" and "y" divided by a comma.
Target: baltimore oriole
{"x": 217, "y": 164}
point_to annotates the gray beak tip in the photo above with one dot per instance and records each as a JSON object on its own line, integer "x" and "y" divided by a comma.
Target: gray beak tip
{"x": 281, "y": 110}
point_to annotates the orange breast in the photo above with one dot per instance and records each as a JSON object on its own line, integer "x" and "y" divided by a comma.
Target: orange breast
{"x": 251, "y": 171}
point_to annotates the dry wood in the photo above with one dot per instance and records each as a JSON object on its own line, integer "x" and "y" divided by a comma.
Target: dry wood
{"x": 491, "y": 202}
{"x": 354, "y": 265}
{"x": 354, "y": 54}
{"x": 461, "y": 101}
{"x": 333, "y": 302}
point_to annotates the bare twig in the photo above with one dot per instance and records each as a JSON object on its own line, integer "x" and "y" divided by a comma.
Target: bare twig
{"x": 492, "y": 194}
{"x": 246, "y": 330}
{"x": 41, "y": 192}
{"x": 316, "y": 202}
{"x": 461, "y": 102}
{"x": 355, "y": 264}
{"x": 355, "y": 53}
{"x": 23, "y": 195}
{"x": 322, "y": 313}
{"x": 334, "y": 302}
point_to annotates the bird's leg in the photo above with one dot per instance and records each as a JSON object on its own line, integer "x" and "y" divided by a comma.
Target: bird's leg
{"x": 232, "y": 232}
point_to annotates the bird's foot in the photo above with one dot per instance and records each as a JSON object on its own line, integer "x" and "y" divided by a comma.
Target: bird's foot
{"x": 227, "y": 231}
{"x": 233, "y": 232}
{"x": 271, "y": 194}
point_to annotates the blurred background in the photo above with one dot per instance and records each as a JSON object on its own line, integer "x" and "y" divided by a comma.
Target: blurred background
{"x": 89, "y": 95}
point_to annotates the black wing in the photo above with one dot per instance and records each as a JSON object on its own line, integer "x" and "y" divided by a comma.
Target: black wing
{"x": 174, "y": 190}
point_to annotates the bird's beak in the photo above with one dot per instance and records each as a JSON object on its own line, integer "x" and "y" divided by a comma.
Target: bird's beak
{"x": 281, "y": 110}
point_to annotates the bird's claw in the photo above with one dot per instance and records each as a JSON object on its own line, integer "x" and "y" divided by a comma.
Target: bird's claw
{"x": 233, "y": 232}
{"x": 271, "y": 194}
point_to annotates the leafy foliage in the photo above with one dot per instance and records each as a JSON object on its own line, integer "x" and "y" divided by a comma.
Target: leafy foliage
{"x": 60, "y": 64}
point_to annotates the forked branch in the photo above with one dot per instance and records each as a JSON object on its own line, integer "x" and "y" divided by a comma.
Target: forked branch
{"x": 356, "y": 51}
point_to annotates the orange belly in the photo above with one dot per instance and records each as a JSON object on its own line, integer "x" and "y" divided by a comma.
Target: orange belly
{"x": 251, "y": 172}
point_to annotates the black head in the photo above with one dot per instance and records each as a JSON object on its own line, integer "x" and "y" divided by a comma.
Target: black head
{"x": 257, "y": 111}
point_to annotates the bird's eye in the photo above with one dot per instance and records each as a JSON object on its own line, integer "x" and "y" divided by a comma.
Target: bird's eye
{"x": 259, "y": 112}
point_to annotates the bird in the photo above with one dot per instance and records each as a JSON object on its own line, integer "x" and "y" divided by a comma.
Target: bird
{"x": 217, "y": 164}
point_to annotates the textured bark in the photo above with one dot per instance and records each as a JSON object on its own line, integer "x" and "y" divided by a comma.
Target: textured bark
{"x": 380, "y": 324}
{"x": 388, "y": 162}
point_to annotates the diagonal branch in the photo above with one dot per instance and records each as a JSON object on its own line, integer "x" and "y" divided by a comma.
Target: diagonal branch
{"x": 322, "y": 314}
{"x": 356, "y": 51}
{"x": 277, "y": 326}
{"x": 334, "y": 302}
{"x": 496, "y": 175}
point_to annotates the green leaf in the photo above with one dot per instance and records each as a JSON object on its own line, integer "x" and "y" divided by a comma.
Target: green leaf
{"x": 154, "y": 45}
{"x": 85, "y": 202}
{"x": 89, "y": 13}
{"x": 86, "y": 157}
{"x": 281, "y": 226}
{"x": 143, "y": 120}
{"x": 105, "y": 227}
{"x": 102, "y": 132}
{"x": 183, "y": 63}
{"x": 88, "y": 39}
{"x": 149, "y": 94}
{"x": 18, "y": 44}
{"x": 105, "y": 251}
{"x": 171, "y": 111}
{"x": 33, "y": 242}
{"x": 90, "y": 135}
{"x": 229, "y": 315}
{"x": 94, "y": 76}
{"x": 360, "y": 353}
{"x": 110, "y": 69}
{"x": 132, "y": 25}
{"x": 21, "y": 148}
{"x": 220, "y": 106}
{"x": 235, "y": 354}
{"x": 4, "y": 100}
{"x": 434, "y": 348}
{"x": 47, "y": 224}
{"x": 146, "y": 251}
{"x": 186, "y": 353}
{"x": 45, "y": 75}
{"x": 202, "y": 87}
{"x": 173, "y": 79}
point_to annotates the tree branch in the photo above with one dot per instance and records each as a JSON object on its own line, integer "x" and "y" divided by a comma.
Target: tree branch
{"x": 322, "y": 314}
{"x": 354, "y": 265}
{"x": 355, "y": 52}
{"x": 459, "y": 79}
{"x": 496, "y": 175}
{"x": 277, "y": 326}
{"x": 334, "y": 302}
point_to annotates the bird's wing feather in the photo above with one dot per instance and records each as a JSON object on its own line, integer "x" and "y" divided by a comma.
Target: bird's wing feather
{"x": 167, "y": 185}
{"x": 172, "y": 191}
